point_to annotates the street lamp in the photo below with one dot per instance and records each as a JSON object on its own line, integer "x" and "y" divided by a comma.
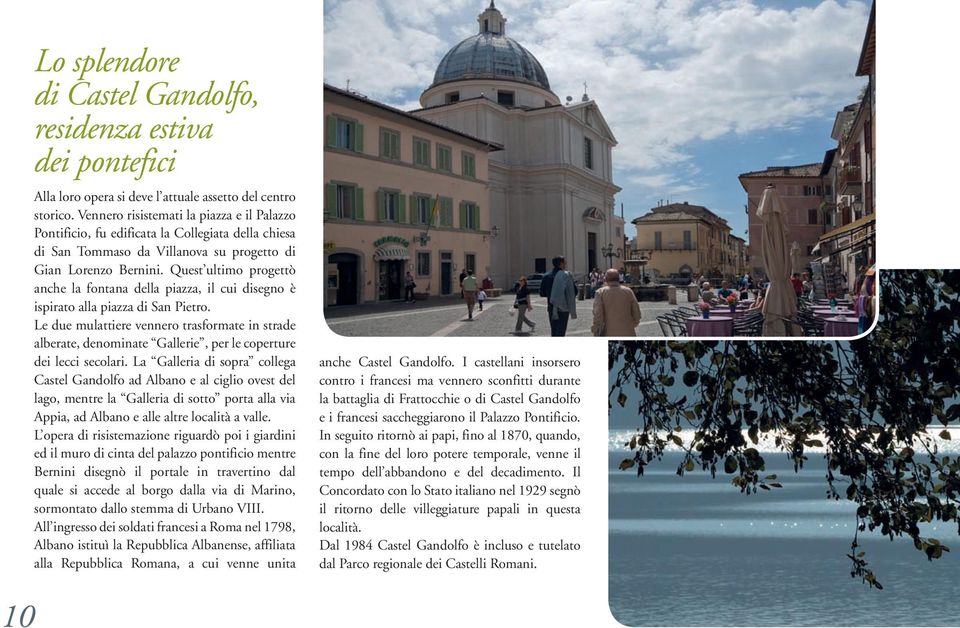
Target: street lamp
{"x": 857, "y": 209}
{"x": 610, "y": 252}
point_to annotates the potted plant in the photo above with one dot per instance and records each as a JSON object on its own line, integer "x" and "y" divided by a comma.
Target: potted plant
{"x": 705, "y": 309}
{"x": 732, "y": 302}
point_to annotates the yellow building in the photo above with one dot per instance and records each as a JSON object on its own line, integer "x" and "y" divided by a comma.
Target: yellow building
{"x": 401, "y": 194}
{"x": 684, "y": 240}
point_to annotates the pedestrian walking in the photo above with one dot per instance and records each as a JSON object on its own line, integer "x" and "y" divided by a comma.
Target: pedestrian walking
{"x": 481, "y": 297}
{"x": 546, "y": 286}
{"x": 463, "y": 275}
{"x": 469, "y": 286}
{"x": 408, "y": 285}
{"x": 615, "y": 308}
{"x": 523, "y": 305}
{"x": 563, "y": 297}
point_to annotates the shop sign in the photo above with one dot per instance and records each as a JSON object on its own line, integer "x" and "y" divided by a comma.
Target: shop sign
{"x": 388, "y": 239}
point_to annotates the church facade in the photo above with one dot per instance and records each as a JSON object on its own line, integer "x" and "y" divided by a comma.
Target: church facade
{"x": 551, "y": 189}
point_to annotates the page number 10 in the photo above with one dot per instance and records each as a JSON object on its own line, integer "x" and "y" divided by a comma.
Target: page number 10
{"x": 27, "y": 615}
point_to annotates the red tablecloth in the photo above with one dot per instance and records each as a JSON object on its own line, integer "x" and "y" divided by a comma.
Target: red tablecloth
{"x": 710, "y": 327}
{"x": 837, "y": 326}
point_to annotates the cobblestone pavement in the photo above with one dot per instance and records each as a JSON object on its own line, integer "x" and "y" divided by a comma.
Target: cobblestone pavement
{"x": 447, "y": 316}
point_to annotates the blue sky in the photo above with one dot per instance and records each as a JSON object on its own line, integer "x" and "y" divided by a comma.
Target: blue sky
{"x": 696, "y": 92}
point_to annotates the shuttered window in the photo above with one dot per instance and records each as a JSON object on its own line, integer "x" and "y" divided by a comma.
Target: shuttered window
{"x": 446, "y": 211}
{"x": 468, "y": 165}
{"x": 469, "y": 216}
{"x": 343, "y": 201}
{"x": 392, "y": 206}
{"x": 420, "y": 208}
{"x": 389, "y": 144}
{"x": 344, "y": 133}
{"x": 421, "y": 152}
{"x": 444, "y": 158}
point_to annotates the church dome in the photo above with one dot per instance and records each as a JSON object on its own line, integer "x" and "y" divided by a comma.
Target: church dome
{"x": 491, "y": 55}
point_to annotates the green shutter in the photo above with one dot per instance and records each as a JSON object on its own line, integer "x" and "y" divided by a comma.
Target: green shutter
{"x": 402, "y": 211}
{"x": 358, "y": 143}
{"x": 446, "y": 212}
{"x": 476, "y": 217}
{"x": 463, "y": 214}
{"x": 330, "y": 207}
{"x": 331, "y": 131}
{"x": 358, "y": 203}
{"x": 381, "y": 206}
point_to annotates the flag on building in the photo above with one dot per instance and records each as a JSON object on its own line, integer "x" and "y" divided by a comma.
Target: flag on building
{"x": 435, "y": 211}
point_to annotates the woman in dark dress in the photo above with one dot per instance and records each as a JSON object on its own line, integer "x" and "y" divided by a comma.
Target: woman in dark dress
{"x": 522, "y": 303}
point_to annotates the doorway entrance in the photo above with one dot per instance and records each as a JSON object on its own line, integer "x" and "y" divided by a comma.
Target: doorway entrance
{"x": 591, "y": 251}
{"x": 348, "y": 277}
{"x": 446, "y": 272}
{"x": 391, "y": 279}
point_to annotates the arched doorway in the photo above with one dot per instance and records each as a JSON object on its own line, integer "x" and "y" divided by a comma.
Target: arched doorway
{"x": 348, "y": 277}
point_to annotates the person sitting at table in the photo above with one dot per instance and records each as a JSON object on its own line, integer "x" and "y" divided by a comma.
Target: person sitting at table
{"x": 757, "y": 304}
{"x": 725, "y": 291}
{"x": 706, "y": 293}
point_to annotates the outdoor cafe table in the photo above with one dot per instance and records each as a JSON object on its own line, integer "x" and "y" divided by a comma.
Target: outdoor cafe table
{"x": 724, "y": 310}
{"x": 710, "y": 327}
{"x": 837, "y": 326}
{"x": 825, "y": 312}
{"x": 840, "y": 302}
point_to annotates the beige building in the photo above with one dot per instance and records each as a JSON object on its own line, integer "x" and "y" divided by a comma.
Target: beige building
{"x": 803, "y": 190}
{"x": 848, "y": 247}
{"x": 551, "y": 187}
{"x": 737, "y": 252}
{"x": 684, "y": 240}
{"x": 401, "y": 194}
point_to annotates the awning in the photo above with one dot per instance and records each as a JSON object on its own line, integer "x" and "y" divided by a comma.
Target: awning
{"x": 391, "y": 252}
{"x": 857, "y": 233}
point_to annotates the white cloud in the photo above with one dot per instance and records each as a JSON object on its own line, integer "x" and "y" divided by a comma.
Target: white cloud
{"x": 665, "y": 74}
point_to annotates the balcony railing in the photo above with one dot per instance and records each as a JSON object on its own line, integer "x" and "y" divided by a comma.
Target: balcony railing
{"x": 849, "y": 175}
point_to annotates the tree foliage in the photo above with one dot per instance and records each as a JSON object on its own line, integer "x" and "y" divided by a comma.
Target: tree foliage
{"x": 873, "y": 405}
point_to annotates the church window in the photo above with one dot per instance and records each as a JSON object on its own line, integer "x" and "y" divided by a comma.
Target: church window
{"x": 452, "y": 97}
{"x": 588, "y": 153}
{"x": 505, "y": 98}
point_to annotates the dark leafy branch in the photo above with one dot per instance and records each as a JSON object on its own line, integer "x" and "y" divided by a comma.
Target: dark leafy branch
{"x": 872, "y": 406}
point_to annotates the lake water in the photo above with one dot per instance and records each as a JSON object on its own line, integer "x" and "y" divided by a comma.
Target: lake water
{"x": 694, "y": 551}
